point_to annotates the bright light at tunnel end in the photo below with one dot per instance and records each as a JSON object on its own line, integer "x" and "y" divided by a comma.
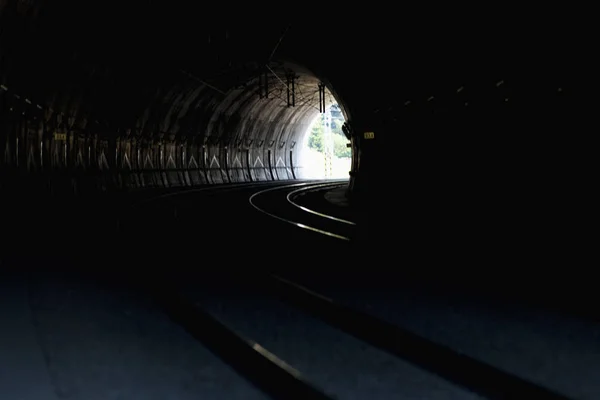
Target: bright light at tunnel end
{"x": 324, "y": 153}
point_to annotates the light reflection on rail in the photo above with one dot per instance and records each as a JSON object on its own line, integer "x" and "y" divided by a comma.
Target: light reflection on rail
{"x": 303, "y": 187}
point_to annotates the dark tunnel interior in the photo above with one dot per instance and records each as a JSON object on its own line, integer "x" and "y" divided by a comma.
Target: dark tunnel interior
{"x": 471, "y": 122}
{"x": 478, "y": 131}
{"x": 135, "y": 135}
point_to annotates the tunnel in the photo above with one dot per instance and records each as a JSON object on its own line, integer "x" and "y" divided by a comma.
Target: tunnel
{"x": 89, "y": 110}
{"x": 454, "y": 125}
{"x": 458, "y": 116}
{"x": 97, "y": 100}
{"x": 241, "y": 126}
{"x": 152, "y": 201}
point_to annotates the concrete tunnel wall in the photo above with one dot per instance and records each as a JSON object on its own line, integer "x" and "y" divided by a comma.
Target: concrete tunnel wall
{"x": 71, "y": 114}
{"x": 88, "y": 124}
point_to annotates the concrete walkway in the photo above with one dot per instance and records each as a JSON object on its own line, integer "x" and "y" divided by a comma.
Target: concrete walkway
{"x": 23, "y": 368}
{"x": 338, "y": 197}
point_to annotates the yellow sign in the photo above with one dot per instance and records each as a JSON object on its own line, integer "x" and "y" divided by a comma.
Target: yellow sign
{"x": 369, "y": 135}
{"x": 60, "y": 136}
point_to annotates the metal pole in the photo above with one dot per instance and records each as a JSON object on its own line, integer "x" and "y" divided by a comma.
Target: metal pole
{"x": 328, "y": 145}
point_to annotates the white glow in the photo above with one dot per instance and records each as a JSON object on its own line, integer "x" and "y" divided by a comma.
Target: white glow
{"x": 311, "y": 163}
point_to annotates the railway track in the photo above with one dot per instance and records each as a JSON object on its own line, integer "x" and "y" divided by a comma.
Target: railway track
{"x": 280, "y": 378}
{"x": 263, "y": 351}
{"x": 295, "y": 342}
{"x": 281, "y": 203}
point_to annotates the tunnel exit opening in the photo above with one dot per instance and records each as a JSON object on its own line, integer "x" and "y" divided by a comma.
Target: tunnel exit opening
{"x": 325, "y": 153}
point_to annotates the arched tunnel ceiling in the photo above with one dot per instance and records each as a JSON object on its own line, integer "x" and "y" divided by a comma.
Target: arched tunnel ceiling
{"x": 161, "y": 70}
{"x": 121, "y": 73}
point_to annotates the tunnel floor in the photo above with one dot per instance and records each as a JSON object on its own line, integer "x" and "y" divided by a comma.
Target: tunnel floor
{"x": 102, "y": 324}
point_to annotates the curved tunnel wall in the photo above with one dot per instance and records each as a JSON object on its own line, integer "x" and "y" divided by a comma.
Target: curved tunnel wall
{"x": 195, "y": 137}
{"x": 86, "y": 117}
{"x": 134, "y": 122}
